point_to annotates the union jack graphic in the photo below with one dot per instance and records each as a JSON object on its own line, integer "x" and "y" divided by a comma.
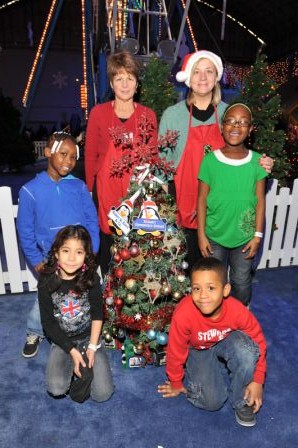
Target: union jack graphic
{"x": 71, "y": 308}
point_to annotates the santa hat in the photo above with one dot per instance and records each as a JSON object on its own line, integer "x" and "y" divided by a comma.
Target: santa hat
{"x": 128, "y": 203}
{"x": 190, "y": 59}
{"x": 148, "y": 203}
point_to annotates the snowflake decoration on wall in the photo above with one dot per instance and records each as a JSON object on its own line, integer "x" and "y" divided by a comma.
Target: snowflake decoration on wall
{"x": 60, "y": 80}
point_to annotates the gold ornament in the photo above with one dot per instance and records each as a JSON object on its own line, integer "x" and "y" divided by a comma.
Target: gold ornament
{"x": 181, "y": 278}
{"x": 130, "y": 283}
{"x": 130, "y": 298}
{"x": 108, "y": 337}
{"x": 176, "y": 295}
{"x": 139, "y": 348}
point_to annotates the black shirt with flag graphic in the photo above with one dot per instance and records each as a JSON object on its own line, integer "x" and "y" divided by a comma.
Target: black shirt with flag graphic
{"x": 66, "y": 316}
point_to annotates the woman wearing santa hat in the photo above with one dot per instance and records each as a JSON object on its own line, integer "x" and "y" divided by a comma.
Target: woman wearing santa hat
{"x": 100, "y": 152}
{"x": 198, "y": 121}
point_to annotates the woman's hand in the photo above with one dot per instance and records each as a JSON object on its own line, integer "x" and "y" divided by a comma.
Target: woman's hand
{"x": 168, "y": 391}
{"x": 266, "y": 163}
{"x": 77, "y": 361}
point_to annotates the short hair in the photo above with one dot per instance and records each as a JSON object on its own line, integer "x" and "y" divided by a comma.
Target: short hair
{"x": 231, "y": 106}
{"x": 211, "y": 264}
{"x": 122, "y": 60}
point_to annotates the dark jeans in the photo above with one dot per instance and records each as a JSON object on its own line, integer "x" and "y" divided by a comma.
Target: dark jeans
{"x": 240, "y": 270}
{"x": 207, "y": 379}
{"x": 60, "y": 372}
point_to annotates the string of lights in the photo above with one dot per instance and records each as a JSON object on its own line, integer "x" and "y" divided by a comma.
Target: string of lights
{"x": 190, "y": 29}
{"x": 279, "y": 71}
{"x": 9, "y": 4}
{"x": 38, "y": 56}
{"x": 234, "y": 20}
{"x": 84, "y": 95}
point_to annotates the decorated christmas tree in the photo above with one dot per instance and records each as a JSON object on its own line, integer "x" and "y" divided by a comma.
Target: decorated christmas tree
{"x": 259, "y": 92}
{"x": 147, "y": 273}
{"x": 157, "y": 91}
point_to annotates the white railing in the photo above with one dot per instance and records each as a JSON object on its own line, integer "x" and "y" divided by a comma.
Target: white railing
{"x": 39, "y": 146}
{"x": 279, "y": 246}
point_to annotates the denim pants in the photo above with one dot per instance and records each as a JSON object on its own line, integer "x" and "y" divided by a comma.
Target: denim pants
{"x": 34, "y": 321}
{"x": 60, "y": 372}
{"x": 221, "y": 371}
{"x": 240, "y": 270}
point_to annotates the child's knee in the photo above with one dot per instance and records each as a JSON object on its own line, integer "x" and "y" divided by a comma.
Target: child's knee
{"x": 101, "y": 396}
{"x": 57, "y": 388}
{"x": 208, "y": 400}
{"x": 245, "y": 349}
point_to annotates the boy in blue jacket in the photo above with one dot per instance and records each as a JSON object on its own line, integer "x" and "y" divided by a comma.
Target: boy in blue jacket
{"x": 47, "y": 203}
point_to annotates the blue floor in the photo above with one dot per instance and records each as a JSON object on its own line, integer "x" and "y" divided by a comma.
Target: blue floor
{"x": 136, "y": 416}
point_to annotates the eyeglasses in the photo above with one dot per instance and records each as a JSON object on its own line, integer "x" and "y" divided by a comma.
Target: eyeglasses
{"x": 241, "y": 123}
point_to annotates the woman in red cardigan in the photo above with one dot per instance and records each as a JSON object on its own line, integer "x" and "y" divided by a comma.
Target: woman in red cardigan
{"x": 100, "y": 152}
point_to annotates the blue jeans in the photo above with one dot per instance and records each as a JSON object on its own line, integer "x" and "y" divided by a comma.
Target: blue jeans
{"x": 60, "y": 372}
{"x": 207, "y": 372}
{"x": 34, "y": 321}
{"x": 240, "y": 272}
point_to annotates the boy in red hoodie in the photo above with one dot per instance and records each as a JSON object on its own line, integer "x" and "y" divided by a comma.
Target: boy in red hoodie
{"x": 210, "y": 331}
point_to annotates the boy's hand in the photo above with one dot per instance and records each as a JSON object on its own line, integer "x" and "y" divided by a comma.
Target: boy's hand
{"x": 168, "y": 391}
{"x": 254, "y": 395}
{"x": 252, "y": 247}
{"x": 77, "y": 361}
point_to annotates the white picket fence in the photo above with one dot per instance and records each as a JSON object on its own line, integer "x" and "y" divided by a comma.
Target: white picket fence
{"x": 39, "y": 147}
{"x": 279, "y": 245}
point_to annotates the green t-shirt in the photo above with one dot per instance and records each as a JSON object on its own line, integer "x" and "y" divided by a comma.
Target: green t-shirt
{"x": 231, "y": 201}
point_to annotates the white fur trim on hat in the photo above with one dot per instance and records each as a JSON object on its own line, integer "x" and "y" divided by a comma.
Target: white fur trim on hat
{"x": 190, "y": 59}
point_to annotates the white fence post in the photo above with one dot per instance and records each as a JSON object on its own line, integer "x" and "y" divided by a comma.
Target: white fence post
{"x": 280, "y": 240}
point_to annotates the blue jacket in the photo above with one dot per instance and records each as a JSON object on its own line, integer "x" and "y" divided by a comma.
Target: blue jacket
{"x": 46, "y": 206}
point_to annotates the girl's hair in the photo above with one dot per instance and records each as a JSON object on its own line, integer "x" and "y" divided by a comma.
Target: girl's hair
{"x": 84, "y": 278}
{"x": 216, "y": 91}
{"x": 55, "y": 140}
{"x": 122, "y": 60}
{"x": 211, "y": 264}
{"x": 235, "y": 105}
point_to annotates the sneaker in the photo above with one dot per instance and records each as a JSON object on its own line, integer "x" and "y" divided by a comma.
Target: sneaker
{"x": 31, "y": 347}
{"x": 245, "y": 416}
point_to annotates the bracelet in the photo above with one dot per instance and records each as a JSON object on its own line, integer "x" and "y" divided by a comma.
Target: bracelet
{"x": 94, "y": 347}
{"x": 259, "y": 234}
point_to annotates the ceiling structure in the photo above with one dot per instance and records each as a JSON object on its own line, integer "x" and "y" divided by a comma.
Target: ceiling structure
{"x": 273, "y": 21}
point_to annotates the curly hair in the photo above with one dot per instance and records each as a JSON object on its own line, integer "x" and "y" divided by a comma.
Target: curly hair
{"x": 84, "y": 278}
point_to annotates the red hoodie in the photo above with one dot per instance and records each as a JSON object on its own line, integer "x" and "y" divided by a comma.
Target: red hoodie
{"x": 190, "y": 328}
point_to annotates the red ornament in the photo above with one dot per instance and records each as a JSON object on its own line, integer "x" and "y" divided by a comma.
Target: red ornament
{"x": 125, "y": 254}
{"x": 118, "y": 302}
{"x": 153, "y": 293}
{"x": 119, "y": 272}
{"x": 117, "y": 257}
